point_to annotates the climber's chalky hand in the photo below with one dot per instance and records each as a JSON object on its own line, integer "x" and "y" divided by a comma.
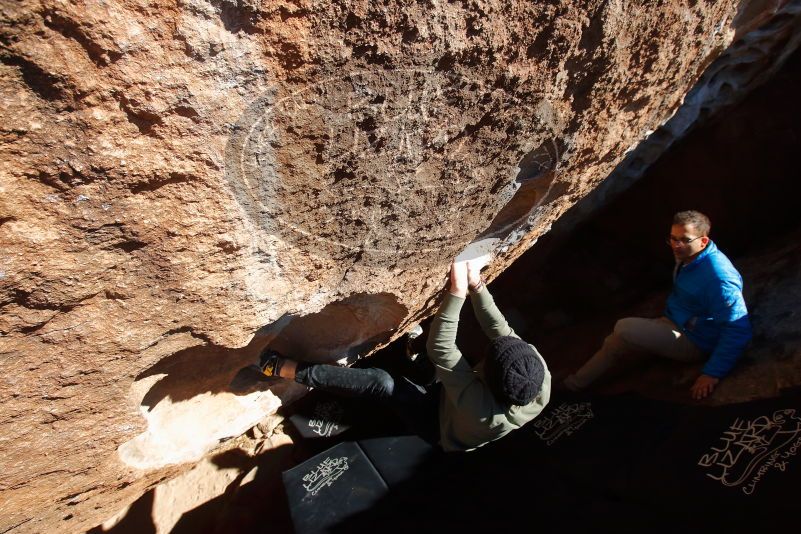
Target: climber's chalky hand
{"x": 459, "y": 282}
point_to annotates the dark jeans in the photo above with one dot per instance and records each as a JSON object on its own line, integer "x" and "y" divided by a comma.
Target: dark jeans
{"x": 416, "y": 406}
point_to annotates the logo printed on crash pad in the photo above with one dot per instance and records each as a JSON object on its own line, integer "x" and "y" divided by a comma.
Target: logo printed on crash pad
{"x": 327, "y": 416}
{"x": 325, "y": 474}
{"x": 750, "y": 449}
{"x": 563, "y": 421}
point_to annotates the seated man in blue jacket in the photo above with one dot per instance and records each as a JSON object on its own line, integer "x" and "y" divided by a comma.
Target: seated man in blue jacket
{"x": 705, "y": 316}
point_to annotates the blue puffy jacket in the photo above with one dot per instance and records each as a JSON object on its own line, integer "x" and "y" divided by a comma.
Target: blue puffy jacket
{"x": 707, "y": 305}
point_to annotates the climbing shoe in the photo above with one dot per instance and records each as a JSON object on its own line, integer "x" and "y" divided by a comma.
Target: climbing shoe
{"x": 251, "y": 378}
{"x": 270, "y": 362}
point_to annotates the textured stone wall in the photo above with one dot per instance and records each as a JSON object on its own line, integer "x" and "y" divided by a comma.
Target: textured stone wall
{"x": 182, "y": 182}
{"x": 762, "y": 47}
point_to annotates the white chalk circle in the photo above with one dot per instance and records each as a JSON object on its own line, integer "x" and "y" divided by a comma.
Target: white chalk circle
{"x": 386, "y": 166}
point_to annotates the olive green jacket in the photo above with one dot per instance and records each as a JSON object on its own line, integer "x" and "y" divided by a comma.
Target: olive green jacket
{"x": 469, "y": 414}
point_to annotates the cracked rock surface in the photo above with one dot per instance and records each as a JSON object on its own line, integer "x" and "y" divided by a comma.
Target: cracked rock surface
{"x": 181, "y": 181}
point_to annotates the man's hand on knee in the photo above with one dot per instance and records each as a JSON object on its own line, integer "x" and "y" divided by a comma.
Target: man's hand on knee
{"x": 703, "y": 387}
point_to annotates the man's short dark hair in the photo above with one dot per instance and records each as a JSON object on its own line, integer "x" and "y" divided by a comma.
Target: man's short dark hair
{"x": 698, "y": 220}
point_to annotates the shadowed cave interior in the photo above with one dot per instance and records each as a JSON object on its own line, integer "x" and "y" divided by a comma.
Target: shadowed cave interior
{"x": 564, "y": 295}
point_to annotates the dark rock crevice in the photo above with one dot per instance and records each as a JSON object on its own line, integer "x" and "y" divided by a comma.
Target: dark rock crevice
{"x": 740, "y": 168}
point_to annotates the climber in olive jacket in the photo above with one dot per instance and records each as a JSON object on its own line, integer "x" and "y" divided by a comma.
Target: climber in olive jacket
{"x": 486, "y": 403}
{"x": 509, "y": 388}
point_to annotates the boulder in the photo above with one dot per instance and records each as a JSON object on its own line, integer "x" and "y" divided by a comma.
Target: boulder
{"x": 185, "y": 183}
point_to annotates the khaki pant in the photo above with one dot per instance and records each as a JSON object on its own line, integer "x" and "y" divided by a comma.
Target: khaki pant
{"x": 634, "y": 336}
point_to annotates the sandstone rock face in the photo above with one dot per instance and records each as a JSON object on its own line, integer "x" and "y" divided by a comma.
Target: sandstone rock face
{"x": 183, "y": 183}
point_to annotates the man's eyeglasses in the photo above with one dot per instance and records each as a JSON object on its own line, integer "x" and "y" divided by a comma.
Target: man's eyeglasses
{"x": 681, "y": 240}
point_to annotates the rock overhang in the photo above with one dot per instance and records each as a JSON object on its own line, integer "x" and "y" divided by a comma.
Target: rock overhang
{"x": 134, "y": 242}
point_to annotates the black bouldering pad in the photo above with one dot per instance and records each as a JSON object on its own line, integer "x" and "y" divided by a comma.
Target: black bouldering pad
{"x": 594, "y": 443}
{"x": 322, "y": 416}
{"x": 622, "y": 463}
{"x": 330, "y": 487}
{"x": 321, "y": 420}
{"x": 398, "y": 458}
{"x": 739, "y": 461}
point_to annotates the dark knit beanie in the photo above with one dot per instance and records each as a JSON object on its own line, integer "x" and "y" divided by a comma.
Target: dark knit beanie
{"x": 513, "y": 371}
